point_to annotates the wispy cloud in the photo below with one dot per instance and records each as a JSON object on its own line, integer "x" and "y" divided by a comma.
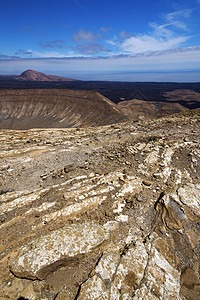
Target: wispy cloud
{"x": 185, "y": 13}
{"x": 91, "y": 49}
{"x": 124, "y": 35}
{"x": 178, "y": 18}
{"x": 159, "y": 38}
{"x": 22, "y": 52}
{"x": 5, "y": 57}
{"x": 185, "y": 58}
{"x": 53, "y": 44}
{"x": 106, "y": 29}
{"x": 147, "y": 43}
{"x": 84, "y": 36}
{"x": 48, "y": 54}
{"x": 79, "y": 4}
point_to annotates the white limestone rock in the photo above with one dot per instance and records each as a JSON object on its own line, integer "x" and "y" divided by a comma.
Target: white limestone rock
{"x": 162, "y": 280}
{"x": 116, "y": 278}
{"x": 36, "y": 259}
{"x": 130, "y": 272}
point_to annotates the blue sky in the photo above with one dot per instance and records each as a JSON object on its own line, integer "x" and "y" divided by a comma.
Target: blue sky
{"x": 111, "y": 40}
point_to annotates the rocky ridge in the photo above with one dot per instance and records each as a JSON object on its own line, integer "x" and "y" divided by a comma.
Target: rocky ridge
{"x": 47, "y": 108}
{"x": 109, "y": 212}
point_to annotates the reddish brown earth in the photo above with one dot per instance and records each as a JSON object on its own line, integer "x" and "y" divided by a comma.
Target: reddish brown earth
{"x": 31, "y": 75}
{"x": 138, "y": 109}
{"x": 183, "y": 95}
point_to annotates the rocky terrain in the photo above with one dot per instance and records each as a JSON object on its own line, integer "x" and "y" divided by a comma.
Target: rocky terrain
{"x": 55, "y": 108}
{"x": 25, "y": 109}
{"x": 136, "y": 100}
{"x": 110, "y": 212}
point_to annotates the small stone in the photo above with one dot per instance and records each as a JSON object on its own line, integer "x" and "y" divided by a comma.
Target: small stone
{"x": 121, "y": 179}
{"x": 185, "y": 139}
{"x": 194, "y": 160}
{"x": 138, "y": 197}
{"x": 110, "y": 156}
{"x": 2, "y": 218}
{"x": 146, "y": 182}
{"x": 156, "y": 175}
{"x": 128, "y": 200}
{"x": 161, "y": 165}
{"x": 108, "y": 213}
{"x": 69, "y": 168}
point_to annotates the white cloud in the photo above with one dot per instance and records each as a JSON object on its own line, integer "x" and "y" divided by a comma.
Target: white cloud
{"x": 162, "y": 37}
{"x": 180, "y": 25}
{"x": 161, "y": 30}
{"x": 185, "y": 13}
{"x": 111, "y": 42}
{"x": 178, "y": 18}
{"x": 159, "y": 49}
{"x": 145, "y": 43}
{"x": 47, "y": 54}
{"x": 51, "y": 54}
{"x": 186, "y": 58}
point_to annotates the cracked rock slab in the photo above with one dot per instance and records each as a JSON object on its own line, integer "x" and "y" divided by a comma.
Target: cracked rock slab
{"x": 162, "y": 279}
{"x": 116, "y": 278}
{"x": 47, "y": 253}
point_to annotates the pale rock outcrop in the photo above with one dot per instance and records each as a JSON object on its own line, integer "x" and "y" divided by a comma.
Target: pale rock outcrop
{"x": 37, "y": 259}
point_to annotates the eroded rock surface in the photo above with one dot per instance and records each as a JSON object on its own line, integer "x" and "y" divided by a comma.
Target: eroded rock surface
{"x": 101, "y": 213}
{"x": 35, "y": 260}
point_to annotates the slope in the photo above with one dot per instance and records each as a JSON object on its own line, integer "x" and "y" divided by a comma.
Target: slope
{"x": 109, "y": 212}
{"x": 24, "y": 109}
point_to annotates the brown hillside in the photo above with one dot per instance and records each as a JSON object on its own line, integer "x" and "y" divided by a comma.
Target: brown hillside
{"x": 31, "y": 75}
{"x": 149, "y": 109}
{"x": 24, "y": 109}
